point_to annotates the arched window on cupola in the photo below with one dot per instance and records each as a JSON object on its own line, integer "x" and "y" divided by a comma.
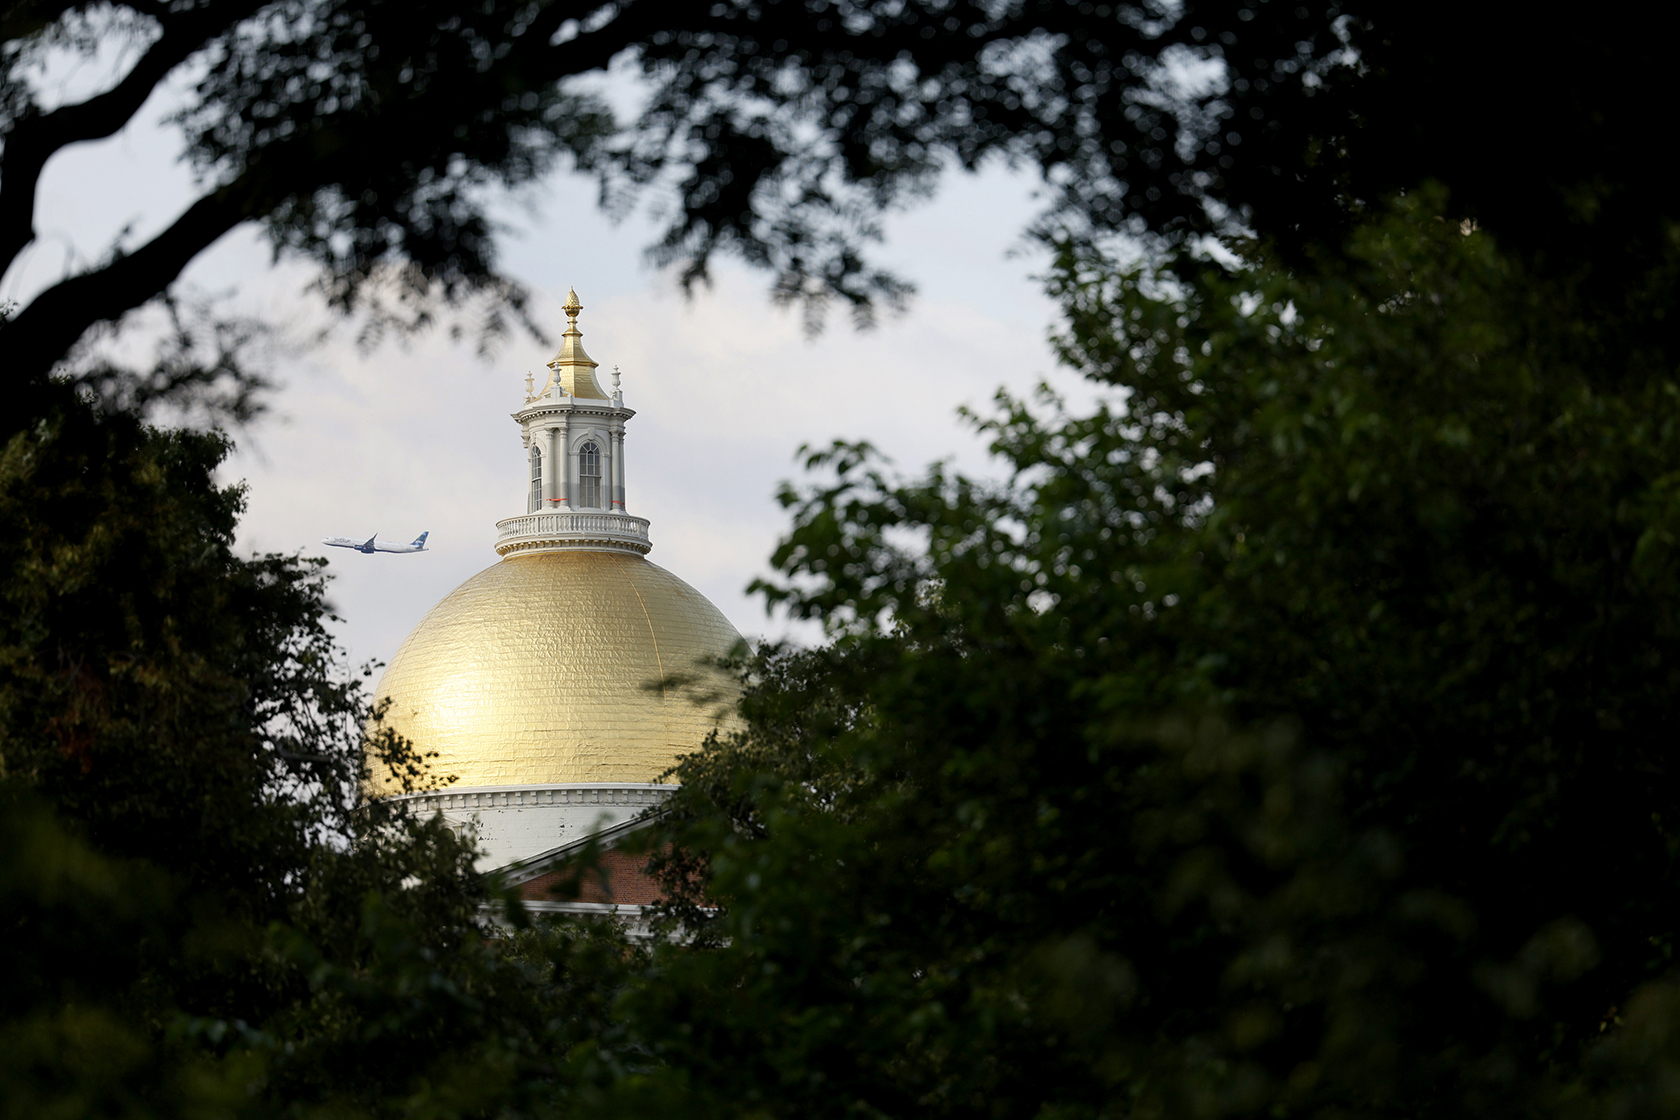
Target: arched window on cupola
{"x": 589, "y": 476}
{"x": 536, "y": 502}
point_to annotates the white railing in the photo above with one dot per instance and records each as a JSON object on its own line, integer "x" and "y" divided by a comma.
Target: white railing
{"x": 534, "y": 529}
{"x": 634, "y": 794}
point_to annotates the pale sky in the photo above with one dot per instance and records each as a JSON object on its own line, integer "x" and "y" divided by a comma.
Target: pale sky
{"x": 418, "y": 437}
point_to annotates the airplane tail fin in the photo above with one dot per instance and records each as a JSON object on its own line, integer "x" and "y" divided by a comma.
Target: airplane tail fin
{"x": 420, "y": 541}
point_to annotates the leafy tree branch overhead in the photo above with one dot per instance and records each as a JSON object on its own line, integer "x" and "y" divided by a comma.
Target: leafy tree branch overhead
{"x": 363, "y": 134}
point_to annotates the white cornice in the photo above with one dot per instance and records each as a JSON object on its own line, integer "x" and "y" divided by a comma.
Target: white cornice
{"x": 572, "y": 406}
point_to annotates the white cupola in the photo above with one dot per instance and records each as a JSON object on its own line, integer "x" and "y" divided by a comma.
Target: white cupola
{"x": 573, "y": 433}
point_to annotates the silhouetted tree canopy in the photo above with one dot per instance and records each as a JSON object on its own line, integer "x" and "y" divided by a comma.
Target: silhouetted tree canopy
{"x": 200, "y": 911}
{"x": 1290, "y": 736}
{"x": 365, "y": 136}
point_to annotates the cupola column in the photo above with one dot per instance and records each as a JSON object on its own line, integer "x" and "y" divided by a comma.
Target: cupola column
{"x": 552, "y": 466}
{"x": 618, "y": 467}
{"x": 563, "y": 462}
{"x": 607, "y": 469}
{"x": 615, "y": 435}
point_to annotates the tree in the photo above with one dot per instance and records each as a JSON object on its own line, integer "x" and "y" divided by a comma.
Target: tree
{"x": 1289, "y": 736}
{"x": 363, "y": 135}
{"x": 385, "y": 1025}
{"x": 203, "y": 912}
{"x": 77, "y": 929}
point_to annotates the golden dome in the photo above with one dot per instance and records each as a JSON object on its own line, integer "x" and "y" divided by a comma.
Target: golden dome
{"x": 548, "y": 667}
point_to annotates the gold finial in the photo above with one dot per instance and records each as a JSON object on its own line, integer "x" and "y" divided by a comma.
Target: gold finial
{"x": 573, "y": 368}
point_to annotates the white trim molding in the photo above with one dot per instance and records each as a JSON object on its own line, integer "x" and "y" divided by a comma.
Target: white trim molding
{"x": 560, "y": 530}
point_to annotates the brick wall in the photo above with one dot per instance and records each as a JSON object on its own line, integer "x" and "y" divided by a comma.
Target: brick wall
{"x": 622, "y": 878}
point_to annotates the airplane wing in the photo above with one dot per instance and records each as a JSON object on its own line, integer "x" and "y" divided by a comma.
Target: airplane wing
{"x": 370, "y": 546}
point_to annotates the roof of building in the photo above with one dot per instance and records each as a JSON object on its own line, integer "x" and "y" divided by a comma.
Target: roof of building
{"x": 554, "y": 667}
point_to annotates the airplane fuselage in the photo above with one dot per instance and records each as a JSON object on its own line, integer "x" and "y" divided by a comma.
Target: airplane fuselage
{"x": 373, "y": 544}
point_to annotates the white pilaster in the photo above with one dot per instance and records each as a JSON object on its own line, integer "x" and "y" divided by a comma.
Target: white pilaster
{"x": 563, "y": 462}
{"x": 618, "y": 491}
{"x": 609, "y": 464}
{"x": 551, "y": 463}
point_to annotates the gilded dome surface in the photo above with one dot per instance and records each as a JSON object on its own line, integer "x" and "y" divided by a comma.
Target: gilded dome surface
{"x": 547, "y": 667}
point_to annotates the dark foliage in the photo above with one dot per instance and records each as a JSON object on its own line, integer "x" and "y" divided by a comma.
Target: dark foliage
{"x": 1290, "y": 736}
{"x": 363, "y": 134}
{"x": 1003, "y": 850}
{"x": 202, "y": 913}
{"x": 183, "y": 705}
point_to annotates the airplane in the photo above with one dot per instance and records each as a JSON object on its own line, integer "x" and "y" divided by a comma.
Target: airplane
{"x": 373, "y": 545}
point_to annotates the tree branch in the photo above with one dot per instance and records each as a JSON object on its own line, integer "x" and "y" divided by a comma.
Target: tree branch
{"x": 39, "y": 336}
{"x": 35, "y": 138}
{"x": 590, "y": 51}
{"x": 21, "y": 20}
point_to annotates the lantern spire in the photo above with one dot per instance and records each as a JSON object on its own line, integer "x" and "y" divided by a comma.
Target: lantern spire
{"x": 574, "y": 370}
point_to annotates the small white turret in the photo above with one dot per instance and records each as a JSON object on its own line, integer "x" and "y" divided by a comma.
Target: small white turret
{"x": 573, "y": 434}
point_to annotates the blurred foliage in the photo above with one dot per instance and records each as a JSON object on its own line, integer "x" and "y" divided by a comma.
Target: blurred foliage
{"x": 385, "y": 1023}
{"x": 371, "y": 138}
{"x": 1290, "y": 735}
{"x": 78, "y": 1035}
{"x": 1286, "y": 736}
{"x": 203, "y": 915}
